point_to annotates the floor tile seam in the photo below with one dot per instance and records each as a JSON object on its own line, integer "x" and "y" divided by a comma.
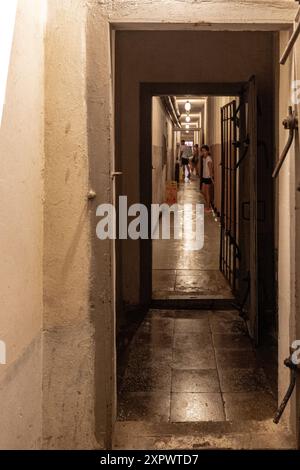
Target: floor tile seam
{"x": 218, "y": 374}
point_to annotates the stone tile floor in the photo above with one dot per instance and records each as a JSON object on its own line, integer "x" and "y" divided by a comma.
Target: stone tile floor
{"x": 205, "y": 435}
{"x": 193, "y": 366}
{"x": 191, "y": 379}
{"x": 179, "y": 272}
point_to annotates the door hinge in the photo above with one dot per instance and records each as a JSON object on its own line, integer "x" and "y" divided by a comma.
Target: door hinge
{"x": 290, "y": 123}
{"x": 294, "y": 368}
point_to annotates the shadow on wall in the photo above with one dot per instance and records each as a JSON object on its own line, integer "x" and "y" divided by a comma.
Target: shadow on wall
{"x": 216, "y": 152}
{"x": 8, "y": 12}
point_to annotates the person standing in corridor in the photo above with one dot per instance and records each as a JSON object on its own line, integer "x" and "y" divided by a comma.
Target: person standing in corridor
{"x": 207, "y": 176}
{"x": 184, "y": 156}
{"x": 195, "y": 160}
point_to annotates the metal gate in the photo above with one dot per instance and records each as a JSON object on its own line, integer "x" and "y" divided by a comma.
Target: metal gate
{"x": 229, "y": 251}
{"x": 239, "y": 225}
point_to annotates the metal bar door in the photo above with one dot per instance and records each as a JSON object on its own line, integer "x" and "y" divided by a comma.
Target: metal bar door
{"x": 229, "y": 247}
{"x": 239, "y": 227}
{"x": 248, "y": 202}
{"x": 252, "y": 132}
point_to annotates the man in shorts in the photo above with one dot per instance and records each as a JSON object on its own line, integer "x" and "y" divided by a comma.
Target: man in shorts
{"x": 184, "y": 156}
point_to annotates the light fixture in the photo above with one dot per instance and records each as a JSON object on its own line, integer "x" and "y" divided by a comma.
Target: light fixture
{"x": 187, "y": 106}
{"x": 187, "y": 126}
{"x": 188, "y": 119}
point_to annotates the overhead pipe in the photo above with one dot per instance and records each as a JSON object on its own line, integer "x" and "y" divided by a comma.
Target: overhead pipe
{"x": 290, "y": 44}
{"x": 170, "y": 108}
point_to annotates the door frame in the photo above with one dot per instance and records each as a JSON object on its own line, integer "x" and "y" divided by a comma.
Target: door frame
{"x": 147, "y": 92}
{"x": 133, "y": 22}
{"x": 229, "y": 202}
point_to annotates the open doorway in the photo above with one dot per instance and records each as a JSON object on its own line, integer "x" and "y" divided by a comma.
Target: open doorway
{"x": 193, "y": 359}
{"x": 188, "y": 362}
{"x": 179, "y": 271}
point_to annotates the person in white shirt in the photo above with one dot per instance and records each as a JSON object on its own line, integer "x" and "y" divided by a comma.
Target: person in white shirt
{"x": 207, "y": 175}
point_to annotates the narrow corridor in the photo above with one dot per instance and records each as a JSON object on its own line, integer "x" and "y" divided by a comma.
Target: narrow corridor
{"x": 192, "y": 366}
{"x": 179, "y": 273}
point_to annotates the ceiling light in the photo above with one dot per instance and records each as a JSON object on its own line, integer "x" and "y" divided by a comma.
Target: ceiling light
{"x": 188, "y": 119}
{"x": 187, "y": 126}
{"x": 187, "y": 106}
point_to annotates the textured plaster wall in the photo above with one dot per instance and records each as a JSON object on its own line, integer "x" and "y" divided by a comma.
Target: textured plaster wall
{"x": 140, "y": 57}
{"x": 79, "y": 357}
{"x": 295, "y": 323}
{"x": 289, "y": 233}
{"x": 286, "y": 301}
{"x": 162, "y": 172}
{"x": 21, "y": 234}
{"x": 69, "y": 333}
{"x": 103, "y": 289}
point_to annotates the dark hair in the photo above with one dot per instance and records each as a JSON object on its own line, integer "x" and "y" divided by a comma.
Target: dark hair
{"x": 182, "y": 141}
{"x": 196, "y": 145}
{"x": 205, "y": 147}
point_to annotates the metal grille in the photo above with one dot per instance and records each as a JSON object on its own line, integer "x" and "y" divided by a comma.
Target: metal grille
{"x": 229, "y": 246}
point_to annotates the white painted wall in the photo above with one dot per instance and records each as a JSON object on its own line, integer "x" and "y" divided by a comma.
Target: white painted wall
{"x": 288, "y": 234}
{"x": 69, "y": 33}
{"x": 21, "y": 234}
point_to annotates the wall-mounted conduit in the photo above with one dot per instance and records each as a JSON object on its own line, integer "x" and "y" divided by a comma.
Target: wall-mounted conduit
{"x": 291, "y": 42}
{"x": 291, "y": 124}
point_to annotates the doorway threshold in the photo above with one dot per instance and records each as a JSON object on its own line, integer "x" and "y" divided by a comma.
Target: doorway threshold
{"x": 193, "y": 304}
{"x": 225, "y": 435}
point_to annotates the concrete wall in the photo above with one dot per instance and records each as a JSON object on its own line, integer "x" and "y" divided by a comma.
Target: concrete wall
{"x": 295, "y": 320}
{"x": 21, "y": 234}
{"x": 79, "y": 281}
{"x": 69, "y": 333}
{"x": 162, "y": 134}
{"x": 64, "y": 429}
{"x": 288, "y": 233}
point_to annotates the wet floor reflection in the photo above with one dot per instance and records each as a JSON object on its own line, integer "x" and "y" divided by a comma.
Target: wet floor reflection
{"x": 178, "y": 271}
{"x": 191, "y": 366}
